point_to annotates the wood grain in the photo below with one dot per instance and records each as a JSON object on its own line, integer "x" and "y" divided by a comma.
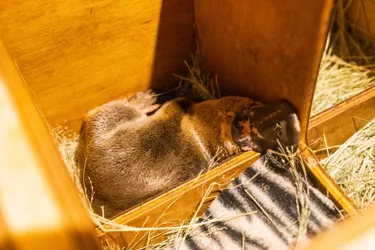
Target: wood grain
{"x": 340, "y": 122}
{"x": 265, "y": 49}
{"x": 39, "y": 204}
{"x": 178, "y": 205}
{"x": 77, "y": 54}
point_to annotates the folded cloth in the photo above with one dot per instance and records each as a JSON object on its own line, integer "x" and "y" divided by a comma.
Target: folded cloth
{"x": 269, "y": 206}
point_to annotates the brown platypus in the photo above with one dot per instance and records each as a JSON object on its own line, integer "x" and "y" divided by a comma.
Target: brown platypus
{"x": 131, "y": 150}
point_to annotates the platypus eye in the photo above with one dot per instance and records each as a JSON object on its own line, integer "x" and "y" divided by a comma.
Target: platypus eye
{"x": 279, "y": 133}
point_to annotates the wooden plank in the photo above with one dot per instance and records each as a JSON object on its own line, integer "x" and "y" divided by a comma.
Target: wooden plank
{"x": 75, "y": 55}
{"x": 178, "y": 205}
{"x": 326, "y": 184}
{"x": 39, "y": 204}
{"x": 340, "y": 122}
{"x": 265, "y": 49}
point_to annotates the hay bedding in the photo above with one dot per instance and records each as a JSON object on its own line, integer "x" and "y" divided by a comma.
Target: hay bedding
{"x": 352, "y": 166}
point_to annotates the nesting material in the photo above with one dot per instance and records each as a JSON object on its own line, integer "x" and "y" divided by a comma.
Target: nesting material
{"x": 66, "y": 143}
{"x": 199, "y": 85}
{"x": 353, "y": 166}
{"x": 338, "y": 80}
{"x": 346, "y": 68}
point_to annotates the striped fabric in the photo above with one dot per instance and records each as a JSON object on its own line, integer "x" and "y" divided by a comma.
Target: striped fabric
{"x": 282, "y": 208}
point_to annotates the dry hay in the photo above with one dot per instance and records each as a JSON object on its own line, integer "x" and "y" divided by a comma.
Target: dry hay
{"x": 346, "y": 69}
{"x": 353, "y": 166}
{"x": 339, "y": 80}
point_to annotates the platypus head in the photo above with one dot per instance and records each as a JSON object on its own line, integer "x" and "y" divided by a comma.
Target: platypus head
{"x": 266, "y": 127}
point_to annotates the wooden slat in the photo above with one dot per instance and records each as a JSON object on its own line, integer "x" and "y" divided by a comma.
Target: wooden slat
{"x": 39, "y": 204}
{"x": 78, "y": 54}
{"x": 178, "y": 205}
{"x": 340, "y": 122}
{"x": 327, "y": 185}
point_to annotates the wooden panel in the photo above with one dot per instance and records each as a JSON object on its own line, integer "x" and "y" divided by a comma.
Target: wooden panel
{"x": 340, "y": 122}
{"x": 178, "y": 205}
{"x": 265, "y": 49}
{"x": 77, "y": 54}
{"x": 39, "y": 205}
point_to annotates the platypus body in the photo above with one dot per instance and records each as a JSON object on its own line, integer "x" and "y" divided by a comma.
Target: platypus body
{"x": 131, "y": 150}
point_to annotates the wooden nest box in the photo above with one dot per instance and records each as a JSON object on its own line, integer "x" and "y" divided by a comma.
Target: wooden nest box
{"x": 59, "y": 59}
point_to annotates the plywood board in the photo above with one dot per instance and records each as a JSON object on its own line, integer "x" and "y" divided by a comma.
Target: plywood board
{"x": 75, "y": 55}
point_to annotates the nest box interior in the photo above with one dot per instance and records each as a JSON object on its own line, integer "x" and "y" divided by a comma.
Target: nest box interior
{"x": 75, "y": 55}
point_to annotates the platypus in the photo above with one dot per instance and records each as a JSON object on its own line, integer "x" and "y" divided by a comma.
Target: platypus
{"x": 132, "y": 149}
